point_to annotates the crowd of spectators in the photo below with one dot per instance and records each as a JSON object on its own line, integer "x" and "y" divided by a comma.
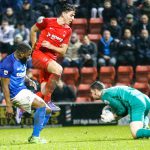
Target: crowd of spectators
{"x": 125, "y": 31}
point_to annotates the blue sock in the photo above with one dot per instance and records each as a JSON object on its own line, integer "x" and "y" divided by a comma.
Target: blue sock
{"x": 47, "y": 116}
{"x": 39, "y": 118}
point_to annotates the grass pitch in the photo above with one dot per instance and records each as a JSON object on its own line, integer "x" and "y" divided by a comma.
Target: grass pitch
{"x": 74, "y": 138}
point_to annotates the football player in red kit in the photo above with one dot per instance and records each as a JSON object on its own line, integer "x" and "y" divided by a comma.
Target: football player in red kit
{"x": 53, "y": 41}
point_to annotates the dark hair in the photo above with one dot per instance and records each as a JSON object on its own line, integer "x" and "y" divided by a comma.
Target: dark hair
{"x": 23, "y": 47}
{"x": 97, "y": 85}
{"x": 66, "y": 7}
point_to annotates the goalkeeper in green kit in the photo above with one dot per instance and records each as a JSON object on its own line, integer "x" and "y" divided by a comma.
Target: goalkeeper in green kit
{"x": 125, "y": 100}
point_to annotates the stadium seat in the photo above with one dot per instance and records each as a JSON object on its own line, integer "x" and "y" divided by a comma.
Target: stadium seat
{"x": 88, "y": 75}
{"x": 142, "y": 73}
{"x": 83, "y": 99}
{"x": 70, "y": 75}
{"x": 94, "y": 37}
{"x": 125, "y": 83}
{"x": 107, "y": 74}
{"x": 83, "y": 90}
{"x": 108, "y": 85}
{"x": 79, "y": 25}
{"x": 95, "y": 25}
{"x": 125, "y": 74}
{"x": 143, "y": 87}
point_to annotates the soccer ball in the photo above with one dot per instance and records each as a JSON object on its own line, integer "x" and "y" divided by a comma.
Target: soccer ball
{"x": 107, "y": 114}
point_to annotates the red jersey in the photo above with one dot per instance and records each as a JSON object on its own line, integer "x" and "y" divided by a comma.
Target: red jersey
{"x": 54, "y": 33}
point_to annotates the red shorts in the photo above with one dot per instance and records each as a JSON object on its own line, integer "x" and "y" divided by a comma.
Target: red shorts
{"x": 40, "y": 61}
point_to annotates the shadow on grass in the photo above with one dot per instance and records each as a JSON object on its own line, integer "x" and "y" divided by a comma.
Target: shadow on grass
{"x": 80, "y": 141}
{"x": 94, "y": 140}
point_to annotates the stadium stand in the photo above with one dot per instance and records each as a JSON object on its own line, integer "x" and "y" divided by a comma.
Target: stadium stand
{"x": 142, "y": 73}
{"x": 94, "y": 37}
{"x": 95, "y": 25}
{"x": 70, "y": 75}
{"x": 107, "y": 74}
{"x": 125, "y": 74}
{"x": 143, "y": 87}
{"x": 79, "y": 25}
{"x": 88, "y": 75}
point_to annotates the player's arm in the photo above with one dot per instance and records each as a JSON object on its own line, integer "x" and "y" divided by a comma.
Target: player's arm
{"x": 31, "y": 82}
{"x": 118, "y": 108}
{"x": 61, "y": 50}
{"x": 34, "y": 30}
{"x": 5, "y": 87}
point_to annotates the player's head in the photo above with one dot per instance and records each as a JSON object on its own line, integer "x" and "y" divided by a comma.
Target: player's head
{"x": 67, "y": 12}
{"x": 23, "y": 51}
{"x": 96, "y": 89}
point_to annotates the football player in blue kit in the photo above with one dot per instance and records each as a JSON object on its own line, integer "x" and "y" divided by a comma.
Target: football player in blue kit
{"x": 13, "y": 76}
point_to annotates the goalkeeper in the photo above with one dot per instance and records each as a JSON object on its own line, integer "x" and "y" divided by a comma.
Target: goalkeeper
{"x": 125, "y": 100}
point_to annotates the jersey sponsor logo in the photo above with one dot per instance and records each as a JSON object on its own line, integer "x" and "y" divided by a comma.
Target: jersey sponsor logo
{"x": 54, "y": 37}
{"x": 21, "y": 74}
{"x": 5, "y": 72}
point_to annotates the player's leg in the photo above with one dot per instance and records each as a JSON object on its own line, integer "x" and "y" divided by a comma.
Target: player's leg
{"x": 44, "y": 77}
{"x": 25, "y": 99}
{"x": 137, "y": 121}
{"x": 54, "y": 71}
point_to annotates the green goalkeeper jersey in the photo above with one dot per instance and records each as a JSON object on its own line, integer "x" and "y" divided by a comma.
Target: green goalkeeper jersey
{"x": 123, "y": 98}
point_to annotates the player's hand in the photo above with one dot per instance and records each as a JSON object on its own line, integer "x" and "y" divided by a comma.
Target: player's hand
{"x": 9, "y": 111}
{"x": 46, "y": 44}
{"x": 32, "y": 83}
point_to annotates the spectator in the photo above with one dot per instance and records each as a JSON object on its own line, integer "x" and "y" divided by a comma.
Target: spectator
{"x": 142, "y": 24}
{"x": 63, "y": 93}
{"x": 44, "y": 8}
{"x": 145, "y": 9}
{"x": 126, "y": 53}
{"x": 129, "y": 23}
{"x": 143, "y": 48}
{"x": 83, "y": 10}
{"x": 71, "y": 58}
{"x": 96, "y": 8}
{"x": 6, "y": 37}
{"x": 10, "y": 16}
{"x": 129, "y": 8}
{"x": 27, "y": 15}
{"x": 23, "y": 31}
{"x": 106, "y": 55}
{"x": 88, "y": 53}
{"x": 57, "y": 6}
{"x": 110, "y": 12}
{"x": 114, "y": 28}
{"x": 17, "y": 39}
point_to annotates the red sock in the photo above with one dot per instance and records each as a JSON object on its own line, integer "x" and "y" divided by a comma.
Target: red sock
{"x": 39, "y": 94}
{"x": 47, "y": 98}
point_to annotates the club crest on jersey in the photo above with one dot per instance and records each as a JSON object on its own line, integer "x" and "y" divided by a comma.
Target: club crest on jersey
{"x": 5, "y": 72}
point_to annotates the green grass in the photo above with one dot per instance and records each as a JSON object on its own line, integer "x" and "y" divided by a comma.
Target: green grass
{"x": 74, "y": 138}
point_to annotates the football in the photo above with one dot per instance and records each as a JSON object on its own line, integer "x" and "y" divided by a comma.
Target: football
{"x": 107, "y": 114}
